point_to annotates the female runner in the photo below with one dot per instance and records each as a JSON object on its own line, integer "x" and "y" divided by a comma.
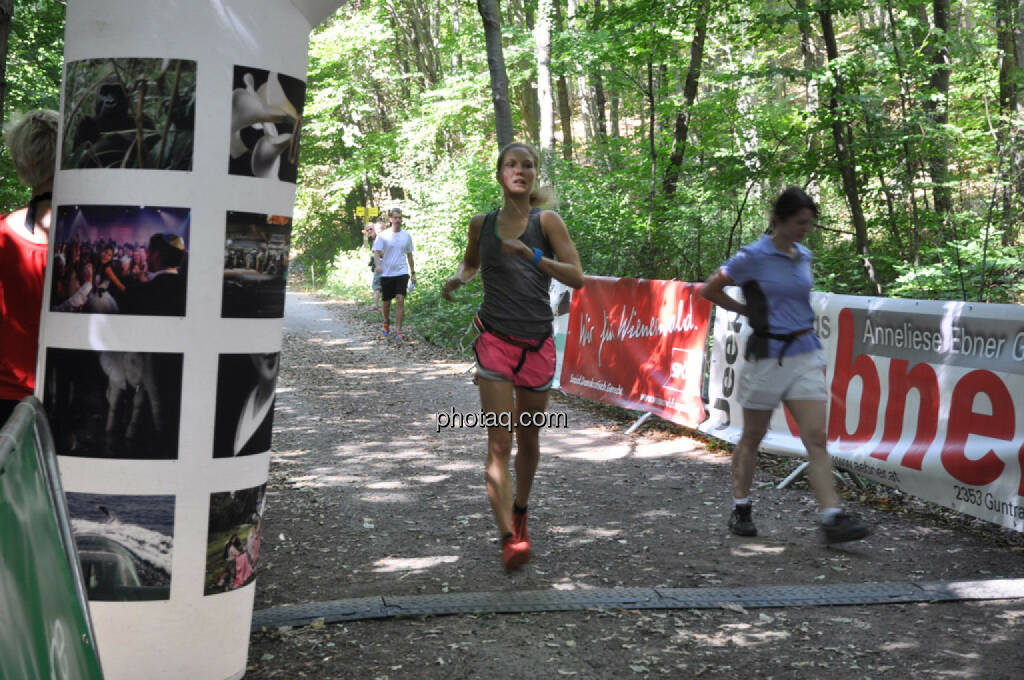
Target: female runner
{"x": 517, "y": 249}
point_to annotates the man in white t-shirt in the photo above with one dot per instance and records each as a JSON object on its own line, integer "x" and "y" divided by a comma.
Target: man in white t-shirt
{"x": 392, "y": 251}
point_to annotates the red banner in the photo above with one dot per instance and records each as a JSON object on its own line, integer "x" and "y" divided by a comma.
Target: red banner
{"x": 639, "y": 344}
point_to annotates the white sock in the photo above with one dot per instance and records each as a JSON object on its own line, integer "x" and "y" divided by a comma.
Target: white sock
{"x": 740, "y": 501}
{"x": 828, "y": 514}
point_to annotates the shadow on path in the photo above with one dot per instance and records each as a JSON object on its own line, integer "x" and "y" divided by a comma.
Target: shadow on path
{"x": 369, "y": 499}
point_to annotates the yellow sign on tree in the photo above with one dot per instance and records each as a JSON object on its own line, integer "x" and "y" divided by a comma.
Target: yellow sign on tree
{"x": 360, "y": 211}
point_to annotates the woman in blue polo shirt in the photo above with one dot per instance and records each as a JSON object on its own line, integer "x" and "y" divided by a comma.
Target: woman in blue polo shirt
{"x": 784, "y": 359}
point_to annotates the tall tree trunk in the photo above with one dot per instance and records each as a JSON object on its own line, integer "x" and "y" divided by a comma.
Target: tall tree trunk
{"x": 586, "y": 104}
{"x": 842, "y": 134}
{"x": 909, "y": 163}
{"x": 581, "y": 79}
{"x": 528, "y": 95}
{"x": 748, "y": 137}
{"x": 408, "y": 24}
{"x": 661, "y": 80}
{"x": 565, "y": 117}
{"x": 542, "y": 36}
{"x": 1011, "y": 159}
{"x": 598, "y": 100}
{"x": 653, "y": 150}
{"x": 1007, "y": 53}
{"x": 496, "y": 65}
{"x": 812, "y": 62}
{"x": 675, "y": 161}
{"x": 613, "y": 111}
{"x": 564, "y": 99}
{"x": 936, "y": 107}
{"x": 425, "y": 44}
{"x": 1018, "y": 112}
{"x": 6, "y": 12}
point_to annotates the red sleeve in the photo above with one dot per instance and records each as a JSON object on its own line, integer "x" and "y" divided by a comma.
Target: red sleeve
{"x": 22, "y": 265}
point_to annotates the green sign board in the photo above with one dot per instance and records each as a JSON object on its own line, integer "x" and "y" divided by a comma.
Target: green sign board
{"x": 45, "y": 631}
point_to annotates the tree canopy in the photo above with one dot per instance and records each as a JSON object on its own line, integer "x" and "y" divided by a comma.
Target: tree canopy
{"x": 674, "y": 124}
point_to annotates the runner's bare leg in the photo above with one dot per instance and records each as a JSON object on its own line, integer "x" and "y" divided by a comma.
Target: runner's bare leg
{"x": 399, "y": 312}
{"x": 527, "y": 442}
{"x": 497, "y": 396}
{"x": 744, "y": 456}
{"x": 810, "y": 418}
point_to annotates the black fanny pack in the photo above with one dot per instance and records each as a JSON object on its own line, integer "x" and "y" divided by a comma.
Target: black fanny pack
{"x": 758, "y": 345}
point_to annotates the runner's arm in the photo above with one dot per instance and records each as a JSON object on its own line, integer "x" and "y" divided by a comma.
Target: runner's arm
{"x": 567, "y": 267}
{"x": 714, "y": 290}
{"x": 470, "y": 260}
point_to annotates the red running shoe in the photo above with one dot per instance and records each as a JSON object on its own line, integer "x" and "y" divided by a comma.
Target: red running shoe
{"x": 519, "y": 526}
{"x": 514, "y": 553}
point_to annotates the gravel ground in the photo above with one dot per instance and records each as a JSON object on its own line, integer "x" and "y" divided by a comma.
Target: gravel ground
{"x": 369, "y": 497}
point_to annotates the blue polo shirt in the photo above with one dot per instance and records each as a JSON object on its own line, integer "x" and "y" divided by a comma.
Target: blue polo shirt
{"x": 786, "y": 282}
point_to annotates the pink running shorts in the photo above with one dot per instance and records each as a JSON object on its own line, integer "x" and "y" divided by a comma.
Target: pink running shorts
{"x": 529, "y": 369}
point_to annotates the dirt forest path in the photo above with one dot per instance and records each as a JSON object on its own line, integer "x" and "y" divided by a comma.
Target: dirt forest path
{"x": 367, "y": 498}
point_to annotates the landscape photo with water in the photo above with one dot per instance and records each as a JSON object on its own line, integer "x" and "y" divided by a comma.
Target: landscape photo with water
{"x": 125, "y": 544}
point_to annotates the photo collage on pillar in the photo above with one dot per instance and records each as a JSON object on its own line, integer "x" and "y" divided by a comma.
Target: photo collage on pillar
{"x": 233, "y": 538}
{"x": 131, "y": 260}
{"x": 124, "y": 545}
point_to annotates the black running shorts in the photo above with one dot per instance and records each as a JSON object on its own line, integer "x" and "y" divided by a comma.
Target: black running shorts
{"x": 390, "y": 286}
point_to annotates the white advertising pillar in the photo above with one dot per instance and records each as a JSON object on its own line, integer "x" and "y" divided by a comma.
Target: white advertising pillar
{"x": 180, "y": 136}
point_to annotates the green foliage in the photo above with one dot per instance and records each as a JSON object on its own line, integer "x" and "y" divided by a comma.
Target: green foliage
{"x": 761, "y": 121}
{"x": 399, "y": 113}
{"x": 34, "y": 59}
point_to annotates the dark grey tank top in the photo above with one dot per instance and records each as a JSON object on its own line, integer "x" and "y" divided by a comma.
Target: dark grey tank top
{"x": 515, "y": 292}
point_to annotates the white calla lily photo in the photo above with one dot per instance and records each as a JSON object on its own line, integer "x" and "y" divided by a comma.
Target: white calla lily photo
{"x": 266, "y": 120}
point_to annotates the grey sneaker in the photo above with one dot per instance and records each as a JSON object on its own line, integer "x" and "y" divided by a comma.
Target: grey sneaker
{"x": 740, "y": 522}
{"x": 844, "y": 527}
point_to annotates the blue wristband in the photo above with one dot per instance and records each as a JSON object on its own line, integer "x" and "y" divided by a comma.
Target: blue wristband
{"x": 537, "y": 255}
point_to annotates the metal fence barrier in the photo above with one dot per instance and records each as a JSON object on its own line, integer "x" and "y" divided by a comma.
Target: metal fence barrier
{"x": 45, "y": 629}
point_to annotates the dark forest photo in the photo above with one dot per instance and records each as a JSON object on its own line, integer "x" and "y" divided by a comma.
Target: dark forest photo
{"x": 129, "y": 113}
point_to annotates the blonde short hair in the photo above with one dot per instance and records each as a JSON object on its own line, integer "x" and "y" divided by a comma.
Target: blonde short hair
{"x": 32, "y": 140}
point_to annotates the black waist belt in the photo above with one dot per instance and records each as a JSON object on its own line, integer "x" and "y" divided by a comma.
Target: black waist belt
{"x": 760, "y": 349}
{"x": 525, "y": 345}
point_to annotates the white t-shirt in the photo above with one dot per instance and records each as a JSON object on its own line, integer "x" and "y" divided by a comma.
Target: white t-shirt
{"x": 395, "y": 245}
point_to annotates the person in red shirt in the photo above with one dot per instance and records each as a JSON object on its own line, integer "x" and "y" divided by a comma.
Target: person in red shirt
{"x": 24, "y": 234}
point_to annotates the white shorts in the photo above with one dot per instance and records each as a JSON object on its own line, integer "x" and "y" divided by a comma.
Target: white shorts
{"x": 764, "y": 384}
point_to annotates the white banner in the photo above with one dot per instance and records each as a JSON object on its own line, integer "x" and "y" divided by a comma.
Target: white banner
{"x": 560, "y": 297}
{"x": 926, "y": 396}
